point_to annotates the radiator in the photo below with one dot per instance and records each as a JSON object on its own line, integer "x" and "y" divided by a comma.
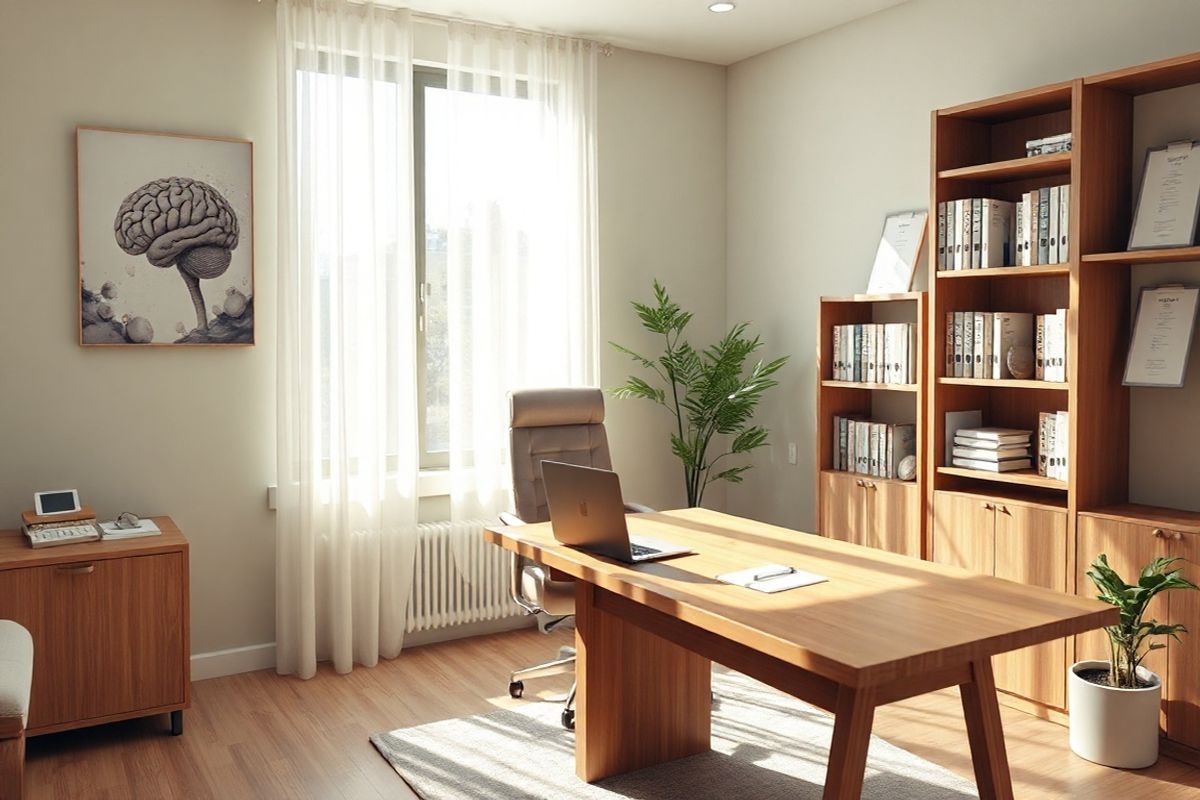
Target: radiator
{"x": 474, "y": 587}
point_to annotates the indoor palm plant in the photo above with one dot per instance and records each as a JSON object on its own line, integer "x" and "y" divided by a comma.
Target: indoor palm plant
{"x": 710, "y": 393}
{"x": 1114, "y": 703}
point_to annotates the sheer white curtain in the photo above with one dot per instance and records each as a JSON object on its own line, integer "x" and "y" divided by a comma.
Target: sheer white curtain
{"x": 347, "y": 415}
{"x": 520, "y": 198}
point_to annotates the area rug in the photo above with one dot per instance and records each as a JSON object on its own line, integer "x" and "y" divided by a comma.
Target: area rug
{"x": 765, "y": 745}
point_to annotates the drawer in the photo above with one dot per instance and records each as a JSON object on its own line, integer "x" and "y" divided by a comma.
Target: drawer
{"x": 108, "y": 634}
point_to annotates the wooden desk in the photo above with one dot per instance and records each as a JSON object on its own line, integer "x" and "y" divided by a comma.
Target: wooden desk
{"x": 883, "y": 628}
{"x": 109, "y": 621}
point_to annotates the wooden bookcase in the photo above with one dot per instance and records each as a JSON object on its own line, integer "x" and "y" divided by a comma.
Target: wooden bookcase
{"x": 1021, "y": 525}
{"x": 880, "y": 512}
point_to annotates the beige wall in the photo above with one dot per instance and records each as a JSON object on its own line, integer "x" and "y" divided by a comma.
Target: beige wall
{"x": 828, "y": 135}
{"x": 191, "y": 433}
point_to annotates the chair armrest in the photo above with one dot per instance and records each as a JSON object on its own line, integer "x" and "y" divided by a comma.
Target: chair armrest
{"x": 637, "y": 508}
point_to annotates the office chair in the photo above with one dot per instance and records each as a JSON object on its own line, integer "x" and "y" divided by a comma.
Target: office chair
{"x": 550, "y": 425}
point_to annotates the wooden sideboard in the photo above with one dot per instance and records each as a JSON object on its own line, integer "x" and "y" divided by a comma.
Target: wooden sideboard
{"x": 110, "y": 627}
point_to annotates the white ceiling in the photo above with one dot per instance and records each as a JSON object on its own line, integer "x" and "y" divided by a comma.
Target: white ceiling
{"x": 681, "y": 28}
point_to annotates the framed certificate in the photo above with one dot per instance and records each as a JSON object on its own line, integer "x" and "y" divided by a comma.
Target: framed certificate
{"x": 1169, "y": 200}
{"x": 1162, "y": 336}
{"x": 903, "y": 235}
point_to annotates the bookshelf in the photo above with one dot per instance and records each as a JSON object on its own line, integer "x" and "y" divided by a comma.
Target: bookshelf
{"x": 880, "y": 512}
{"x": 1060, "y": 525}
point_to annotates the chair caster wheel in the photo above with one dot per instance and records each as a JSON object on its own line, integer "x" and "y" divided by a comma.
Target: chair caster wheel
{"x": 568, "y": 718}
{"x": 516, "y": 689}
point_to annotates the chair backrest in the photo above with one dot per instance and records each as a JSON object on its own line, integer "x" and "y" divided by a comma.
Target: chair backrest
{"x": 553, "y": 425}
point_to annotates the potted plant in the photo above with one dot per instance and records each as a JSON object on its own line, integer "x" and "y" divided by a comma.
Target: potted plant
{"x": 1114, "y": 704}
{"x": 709, "y": 393}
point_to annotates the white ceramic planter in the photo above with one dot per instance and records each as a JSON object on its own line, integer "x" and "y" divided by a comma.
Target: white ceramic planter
{"x": 1114, "y": 727}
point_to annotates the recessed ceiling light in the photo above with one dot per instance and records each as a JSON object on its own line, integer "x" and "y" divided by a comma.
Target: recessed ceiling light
{"x": 722, "y": 8}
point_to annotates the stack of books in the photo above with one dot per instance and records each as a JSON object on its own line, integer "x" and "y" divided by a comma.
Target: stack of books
{"x": 875, "y": 352}
{"x": 1053, "y": 435}
{"x": 992, "y": 449}
{"x": 871, "y": 448}
{"x": 1059, "y": 143}
{"x": 983, "y": 232}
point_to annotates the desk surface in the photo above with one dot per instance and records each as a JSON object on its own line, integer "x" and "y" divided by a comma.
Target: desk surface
{"x": 879, "y": 617}
{"x": 15, "y": 552}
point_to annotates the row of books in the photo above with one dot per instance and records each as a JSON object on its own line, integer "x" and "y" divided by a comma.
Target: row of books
{"x": 983, "y": 232}
{"x": 992, "y": 449}
{"x": 978, "y": 344}
{"x": 1053, "y": 435}
{"x": 872, "y": 352}
{"x": 1059, "y": 143}
{"x": 871, "y": 448}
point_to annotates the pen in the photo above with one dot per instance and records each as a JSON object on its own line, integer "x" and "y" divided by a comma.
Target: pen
{"x": 779, "y": 573}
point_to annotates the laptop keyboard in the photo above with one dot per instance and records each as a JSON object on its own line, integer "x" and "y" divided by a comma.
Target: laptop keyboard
{"x": 640, "y": 550}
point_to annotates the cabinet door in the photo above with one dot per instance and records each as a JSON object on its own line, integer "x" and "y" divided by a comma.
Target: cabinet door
{"x": 894, "y": 522}
{"x": 107, "y": 635}
{"x": 1183, "y": 686}
{"x": 1031, "y": 548}
{"x": 843, "y": 514}
{"x": 963, "y": 531}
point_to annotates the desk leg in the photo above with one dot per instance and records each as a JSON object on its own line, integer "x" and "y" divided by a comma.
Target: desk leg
{"x": 853, "y": 717}
{"x": 986, "y": 734}
{"x": 640, "y": 699}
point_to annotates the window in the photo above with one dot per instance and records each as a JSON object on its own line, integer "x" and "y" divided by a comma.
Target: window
{"x": 430, "y": 146}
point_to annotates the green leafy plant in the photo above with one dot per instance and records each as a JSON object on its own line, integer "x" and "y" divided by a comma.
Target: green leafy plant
{"x": 709, "y": 392}
{"x": 1128, "y": 638}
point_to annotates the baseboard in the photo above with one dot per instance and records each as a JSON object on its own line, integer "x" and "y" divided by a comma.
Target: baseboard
{"x": 233, "y": 661}
{"x": 220, "y": 663}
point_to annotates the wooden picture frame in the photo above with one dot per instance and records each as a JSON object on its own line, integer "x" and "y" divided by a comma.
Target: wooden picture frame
{"x": 1155, "y": 164}
{"x": 153, "y": 208}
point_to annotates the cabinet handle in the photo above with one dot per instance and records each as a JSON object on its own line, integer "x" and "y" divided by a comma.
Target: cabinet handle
{"x": 1176, "y": 535}
{"x": 1002, "y": 509}
{"x": 989, "y": 507}
{"x": 859, "y": 482}
{"x": 869, "y": 484}
{"x": 1159, "y": 533}
{"x": 78, "y": 569}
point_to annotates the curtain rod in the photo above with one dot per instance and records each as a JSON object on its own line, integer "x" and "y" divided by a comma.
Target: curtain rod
{"x": 439, "y": 20}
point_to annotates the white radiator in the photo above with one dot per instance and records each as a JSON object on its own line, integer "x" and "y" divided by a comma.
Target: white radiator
{"x": 474, "y": 587}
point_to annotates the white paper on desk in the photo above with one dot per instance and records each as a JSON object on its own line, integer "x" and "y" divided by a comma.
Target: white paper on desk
{"x": 778, "y": 583}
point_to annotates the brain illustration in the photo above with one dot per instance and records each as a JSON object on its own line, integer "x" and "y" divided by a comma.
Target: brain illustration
{"x": 167, "y": 217}
{"x": 183, "y": 223}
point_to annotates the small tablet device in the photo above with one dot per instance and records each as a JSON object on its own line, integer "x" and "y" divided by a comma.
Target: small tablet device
{"x": 61, "y": 501}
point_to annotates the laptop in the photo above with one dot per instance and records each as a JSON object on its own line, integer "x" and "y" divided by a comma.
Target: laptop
{"x": 588, "y": 512}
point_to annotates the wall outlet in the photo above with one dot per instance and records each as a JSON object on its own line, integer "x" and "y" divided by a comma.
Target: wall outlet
{"x": 791, "y": 452}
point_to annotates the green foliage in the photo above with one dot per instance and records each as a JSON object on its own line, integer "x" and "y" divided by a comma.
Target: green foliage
{"x": 1128, "y": 638}
{"x": 709, "y": 392}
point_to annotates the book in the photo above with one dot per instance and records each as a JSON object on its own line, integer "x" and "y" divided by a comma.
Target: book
{"x": 988, "y": 444}
{"x": 1039, "y": 349}
{"x": 977, "y": 339}
{"x": 1043, "y": 225}
{"x": 959, "y": 322}
{"x": 1060, "y": 352}
{"x": 962, "y": 255}
{"x": 991, "y": 455}
{"x": 862, "y": 446}
{"x": 1026, "y": 227}
{"x": 941, "y": 235}
{"x": 989, "y": 349}
{"x": 873, "y": 430}
{"x": 995, "y": 434}
{"x": 912, "y": 354}
{"x": 976, "y": 232}
{"x": 856, "y": 353}
{"x": 1031, "y": 246}
{"x": 957, "y": 421}
{"x": 1062, "y": 435}
{"x": 997, "y": 228}
{"x": 1064, "y": 222}
{"x": 1045, "y": 427}
{"x": 1009, "y": 329}
{"x": 993, "y": 466}
{"x": 868, "y": 354}
{"x": 968, "y": 345}
{"x": 1052, "y": 249}
{"x": 949, "y": 345}
{"x": 835, "y": 350}
{"x": 1018, "y": 232}
{"x": 951, "y": 234}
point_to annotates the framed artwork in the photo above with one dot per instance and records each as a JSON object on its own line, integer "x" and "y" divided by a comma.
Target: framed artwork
{"x": 896, "y": 257}
{"x": 166, "y": 239}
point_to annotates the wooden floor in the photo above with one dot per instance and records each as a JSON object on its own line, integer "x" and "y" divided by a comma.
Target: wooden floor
{"x": 259, "y": 735}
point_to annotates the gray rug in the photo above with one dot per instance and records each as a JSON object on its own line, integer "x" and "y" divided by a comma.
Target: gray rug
{"x": 765, "y": 745}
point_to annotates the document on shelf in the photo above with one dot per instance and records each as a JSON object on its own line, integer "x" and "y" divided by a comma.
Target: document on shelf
{"x": 771, "y": 578}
